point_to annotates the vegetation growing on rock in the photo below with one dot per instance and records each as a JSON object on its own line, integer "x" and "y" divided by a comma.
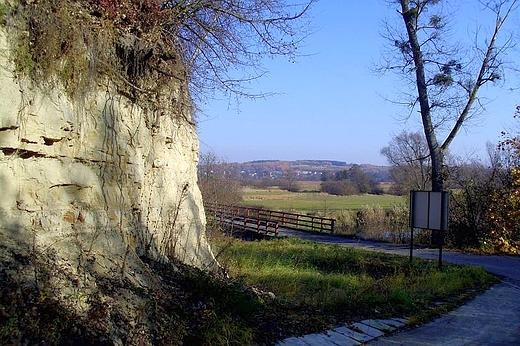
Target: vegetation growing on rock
{"x": 74, "y": 44}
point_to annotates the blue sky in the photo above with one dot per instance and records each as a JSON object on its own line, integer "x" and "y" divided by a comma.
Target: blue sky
{"x": 330, "y": 104}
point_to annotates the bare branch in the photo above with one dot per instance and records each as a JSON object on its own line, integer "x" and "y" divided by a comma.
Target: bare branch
{"x": 219, "y": 38}
{"x": 488, "y": 68}
{"x": 446, "y": 79}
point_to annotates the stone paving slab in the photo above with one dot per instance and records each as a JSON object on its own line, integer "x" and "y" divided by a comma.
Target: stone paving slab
{"x": 378, "y": 324}
{"x": 375, "y": 333}
{"x": 316, "y": 340}
{"x": 340, "y": 339}
{"x": 394, "y": 322}
{"x": 402, "y": 320}
{"x": 292, "y": 341}
{"x": 355, "y": 334}
{"x": 361, "y": 337}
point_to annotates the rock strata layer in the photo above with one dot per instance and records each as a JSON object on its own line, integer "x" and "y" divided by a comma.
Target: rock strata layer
{"x": 97, "y": 177}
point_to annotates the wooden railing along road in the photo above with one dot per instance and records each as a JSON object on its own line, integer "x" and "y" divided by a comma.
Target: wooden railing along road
{"x": 268, "y": 221}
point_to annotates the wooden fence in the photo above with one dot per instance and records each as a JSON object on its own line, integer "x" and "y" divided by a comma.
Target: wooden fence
{"x": 282, "y": 219}
{"x": 244, "y": 225}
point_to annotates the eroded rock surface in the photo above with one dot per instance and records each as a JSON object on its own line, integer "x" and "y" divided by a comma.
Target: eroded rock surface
{"x": 97, "y": 176}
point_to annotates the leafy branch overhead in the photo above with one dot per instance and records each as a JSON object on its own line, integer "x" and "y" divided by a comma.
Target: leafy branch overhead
{"x": 204, "y": 42}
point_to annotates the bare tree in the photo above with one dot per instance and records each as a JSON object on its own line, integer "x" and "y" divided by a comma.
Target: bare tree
{"x": 220, "y": 38}
{"x": 447, "y": 79}
{"x": 217, "y": 181}
{"x": 221, "y": 43}
{"x": 409, "y": 157}
{"x": 289, "y": 180}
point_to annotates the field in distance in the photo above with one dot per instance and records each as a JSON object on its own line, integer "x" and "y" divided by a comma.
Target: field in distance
{"x": 310, "y": 200}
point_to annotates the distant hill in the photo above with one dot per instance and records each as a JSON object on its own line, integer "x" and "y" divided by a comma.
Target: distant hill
{"x": 307, "y": 170}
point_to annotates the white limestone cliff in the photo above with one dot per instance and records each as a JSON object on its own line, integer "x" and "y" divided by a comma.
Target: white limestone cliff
{"x": 98, "y": 180}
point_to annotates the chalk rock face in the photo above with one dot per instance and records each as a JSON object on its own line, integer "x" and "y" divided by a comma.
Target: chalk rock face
{"x": 98, "y": 175}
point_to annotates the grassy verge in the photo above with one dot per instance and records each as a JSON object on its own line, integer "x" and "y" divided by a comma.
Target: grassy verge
{"x": 328, "y": 285}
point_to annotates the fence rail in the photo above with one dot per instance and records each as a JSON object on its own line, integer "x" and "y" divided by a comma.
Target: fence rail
{"x": 283, "y": 219}
{"x": 250, "y": 225}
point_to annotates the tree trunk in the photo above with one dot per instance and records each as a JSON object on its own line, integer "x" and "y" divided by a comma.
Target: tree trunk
{"x": 438, "y": 177}
{"x": 436, "y": 152}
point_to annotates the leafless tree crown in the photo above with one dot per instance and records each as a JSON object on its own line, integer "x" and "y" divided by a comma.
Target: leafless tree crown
{"x": 445, "y": 76}
{"x": 223, "y": 39}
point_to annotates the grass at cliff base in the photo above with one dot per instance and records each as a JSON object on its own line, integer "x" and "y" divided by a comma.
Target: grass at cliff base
{"x": 275, "y": 289}
{"x": 325, "y": 286}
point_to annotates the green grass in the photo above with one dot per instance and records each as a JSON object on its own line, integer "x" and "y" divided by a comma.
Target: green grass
{"x": 345, "y": 284}
{"x": 308, "y": 202}
{"x": 4, "y": 12}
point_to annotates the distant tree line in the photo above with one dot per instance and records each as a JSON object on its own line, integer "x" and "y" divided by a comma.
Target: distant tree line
{"x": 349, "y": 182}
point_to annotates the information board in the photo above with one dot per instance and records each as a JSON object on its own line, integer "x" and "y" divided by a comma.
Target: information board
{"x": 429, "y": 210}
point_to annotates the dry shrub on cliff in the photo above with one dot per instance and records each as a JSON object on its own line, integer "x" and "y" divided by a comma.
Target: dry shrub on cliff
{"x": 145, "y": 46}
{"x": 77, "y": 44}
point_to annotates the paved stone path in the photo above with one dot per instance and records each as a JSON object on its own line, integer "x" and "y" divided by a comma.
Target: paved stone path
{"x": 355, "y": 334}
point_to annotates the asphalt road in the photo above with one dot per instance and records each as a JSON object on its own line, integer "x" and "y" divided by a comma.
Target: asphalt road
{"x": 492, "y": 318}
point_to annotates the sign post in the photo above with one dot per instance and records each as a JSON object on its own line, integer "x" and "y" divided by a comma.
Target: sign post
{"x": 429, "y": 210}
